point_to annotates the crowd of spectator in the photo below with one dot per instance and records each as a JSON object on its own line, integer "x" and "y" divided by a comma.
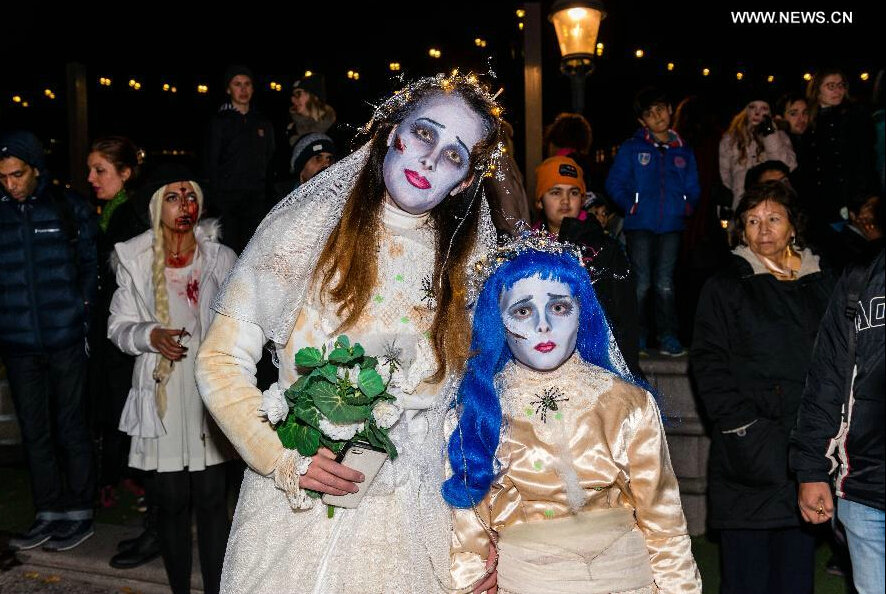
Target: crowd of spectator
{"x": 759, "y": 221}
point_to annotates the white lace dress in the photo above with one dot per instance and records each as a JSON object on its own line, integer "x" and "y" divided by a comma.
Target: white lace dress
{"x": 371, "y": 549}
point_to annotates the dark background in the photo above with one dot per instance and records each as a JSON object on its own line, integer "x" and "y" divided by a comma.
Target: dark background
{"x": 186, "y": 45}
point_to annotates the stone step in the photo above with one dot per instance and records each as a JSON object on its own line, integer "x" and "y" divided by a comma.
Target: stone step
{"x": 89, "y": 563}
{"x": 687, "y": 437}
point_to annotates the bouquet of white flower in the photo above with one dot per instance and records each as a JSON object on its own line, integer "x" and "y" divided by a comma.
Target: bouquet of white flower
{"x": 336, "y": 400}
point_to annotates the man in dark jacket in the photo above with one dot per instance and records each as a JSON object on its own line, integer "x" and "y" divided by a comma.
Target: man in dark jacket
{"x": 48, "y": 280}
{"x": 239, "y": 151}
{"x": 820, "y": 443}
{"x": 654, "y": 180}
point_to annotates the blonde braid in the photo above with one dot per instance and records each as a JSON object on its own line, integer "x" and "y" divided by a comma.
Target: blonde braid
{"x": 163, "y": 369}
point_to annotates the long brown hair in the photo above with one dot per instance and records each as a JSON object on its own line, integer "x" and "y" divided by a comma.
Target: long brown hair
{"x": 740, "y": 133}
{"x": 813, "y": 92}
{"x": 348, "y": 279}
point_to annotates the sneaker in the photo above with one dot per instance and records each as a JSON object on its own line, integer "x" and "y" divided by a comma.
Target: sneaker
{"x": 643, "y": 351}
{"x": 670, "y": 346}
{"x": 39, "y": 532}
{"x": 69, "y": 534}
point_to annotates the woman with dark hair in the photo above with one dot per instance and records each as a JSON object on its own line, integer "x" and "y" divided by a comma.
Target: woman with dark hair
{"x": 840, "y": 149}
{"x": 114, "y": 163}
{"x": 559, "y": 460}
{"x": 754, "y": 332}
{"x": 168, "y": 277}
{"x": 375, "y": 246}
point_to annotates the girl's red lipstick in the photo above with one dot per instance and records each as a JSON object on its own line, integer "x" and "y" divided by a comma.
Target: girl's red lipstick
{"x": 417, "y": 180}
{"x": 545, "y": 347}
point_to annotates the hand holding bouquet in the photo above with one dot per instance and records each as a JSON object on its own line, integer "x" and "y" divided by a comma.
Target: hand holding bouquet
{"x": 337, "y": 399}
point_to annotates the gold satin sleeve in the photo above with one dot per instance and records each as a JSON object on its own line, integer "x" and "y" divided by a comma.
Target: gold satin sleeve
{"x": 469, "y": 548}
{"x": 655, "y": 495}
{"x": 225, "y": 369}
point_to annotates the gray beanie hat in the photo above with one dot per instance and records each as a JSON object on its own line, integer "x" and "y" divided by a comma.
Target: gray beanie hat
{"x": 306, "y": 147}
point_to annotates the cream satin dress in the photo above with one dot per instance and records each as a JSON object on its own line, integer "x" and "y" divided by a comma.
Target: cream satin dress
{"x": 587, "y": 500}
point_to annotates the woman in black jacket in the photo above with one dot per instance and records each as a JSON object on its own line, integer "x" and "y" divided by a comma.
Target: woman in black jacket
{"x": 839, "y": 149}
{"x": 754, "y": 333}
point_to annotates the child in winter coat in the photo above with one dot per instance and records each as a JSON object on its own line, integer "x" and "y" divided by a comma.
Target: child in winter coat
{"x": 654, "y": 179}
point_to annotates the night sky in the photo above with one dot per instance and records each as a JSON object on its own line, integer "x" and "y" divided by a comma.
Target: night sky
{"x": 164, "y": 42}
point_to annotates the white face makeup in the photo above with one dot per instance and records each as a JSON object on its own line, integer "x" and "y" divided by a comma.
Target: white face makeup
{"x": 429, "y": 152}
{"x": 541, "y": 322}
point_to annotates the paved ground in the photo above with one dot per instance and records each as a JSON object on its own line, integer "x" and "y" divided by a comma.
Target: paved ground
{"x": 85, "y": 569}
{"x": 23, "y": 581}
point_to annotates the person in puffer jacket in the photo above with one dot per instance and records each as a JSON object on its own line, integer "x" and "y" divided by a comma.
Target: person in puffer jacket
{"x": 654, "y": 179}
{"x": 47, "y": 281}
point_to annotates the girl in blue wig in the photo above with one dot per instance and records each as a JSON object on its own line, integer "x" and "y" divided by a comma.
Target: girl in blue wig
{"x": 560, "y": 468}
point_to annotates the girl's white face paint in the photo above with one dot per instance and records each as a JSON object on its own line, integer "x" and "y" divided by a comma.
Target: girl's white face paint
{"x": 541, "y": 322}
{"x": 429, "y": 152}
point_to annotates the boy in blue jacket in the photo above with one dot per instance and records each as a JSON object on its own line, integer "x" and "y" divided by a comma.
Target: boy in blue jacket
{"x": 655, "y": 181}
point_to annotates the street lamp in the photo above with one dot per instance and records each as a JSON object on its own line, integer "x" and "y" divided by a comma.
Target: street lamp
{"x": 577, "y": 23}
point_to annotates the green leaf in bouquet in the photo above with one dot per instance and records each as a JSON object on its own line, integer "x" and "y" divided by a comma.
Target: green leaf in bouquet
{"x": 357, "y": 352}
{"x": 369, "y": 363}
{"x": 300, "y": 384}
{"x": 313, "y": 494}
{"x": 292, "y": 392}
{"x": 295, "y": 435}
{"x": 304, "y": 409}
{"x": 378, "y": 437}
{"x": 333, "y": 405}
{"x": 386, "y": 396}
{"x": 335, "y": 446}
{"x": 309, "y": 357}
{"x": 340, "y": 355}
{"x": 358, "y": 398}
{"x": 343, "y": 342}
{"x": 328, "y": 372}
{"x": 370, "y": 383}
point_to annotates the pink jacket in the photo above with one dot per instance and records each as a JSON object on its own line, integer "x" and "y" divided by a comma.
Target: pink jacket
{"x": 776, "y": 147}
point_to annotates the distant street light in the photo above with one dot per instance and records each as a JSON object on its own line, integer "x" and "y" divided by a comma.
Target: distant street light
{"x": 577, "y": 23}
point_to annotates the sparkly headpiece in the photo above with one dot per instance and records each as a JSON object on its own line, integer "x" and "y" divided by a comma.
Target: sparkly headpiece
{"x": 527, "y": 240}
{"x": 488, "y": 165}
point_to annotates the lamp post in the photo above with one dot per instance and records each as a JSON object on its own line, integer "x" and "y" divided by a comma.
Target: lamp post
{"x": 577, "y": 23}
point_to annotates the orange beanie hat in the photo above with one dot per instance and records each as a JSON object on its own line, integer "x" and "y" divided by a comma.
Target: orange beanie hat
{"x": 558, "y": 170}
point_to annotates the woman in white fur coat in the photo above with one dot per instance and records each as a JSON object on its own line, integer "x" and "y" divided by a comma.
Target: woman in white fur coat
{"x": 167, "y": 278}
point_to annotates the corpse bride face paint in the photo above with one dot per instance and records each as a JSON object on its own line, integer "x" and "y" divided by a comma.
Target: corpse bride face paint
{"x": 541, "y": 322}
{"x": 429, "y": 152}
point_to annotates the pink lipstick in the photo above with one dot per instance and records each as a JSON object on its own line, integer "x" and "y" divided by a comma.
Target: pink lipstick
{"x": 417, "y": 180}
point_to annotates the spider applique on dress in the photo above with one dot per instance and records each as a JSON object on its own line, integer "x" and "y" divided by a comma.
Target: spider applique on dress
{"x": 548, "y": 400}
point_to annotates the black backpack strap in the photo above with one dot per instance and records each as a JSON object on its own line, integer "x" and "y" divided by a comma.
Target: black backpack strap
{"x": 856, "y": 280}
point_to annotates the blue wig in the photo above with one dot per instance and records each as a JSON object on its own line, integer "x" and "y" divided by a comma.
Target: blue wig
{"x": 474, "y": 442}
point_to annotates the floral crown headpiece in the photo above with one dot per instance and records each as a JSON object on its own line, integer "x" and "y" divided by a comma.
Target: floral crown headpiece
{"x": 526, "y": 240}
{"x": 487, "y": 166}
